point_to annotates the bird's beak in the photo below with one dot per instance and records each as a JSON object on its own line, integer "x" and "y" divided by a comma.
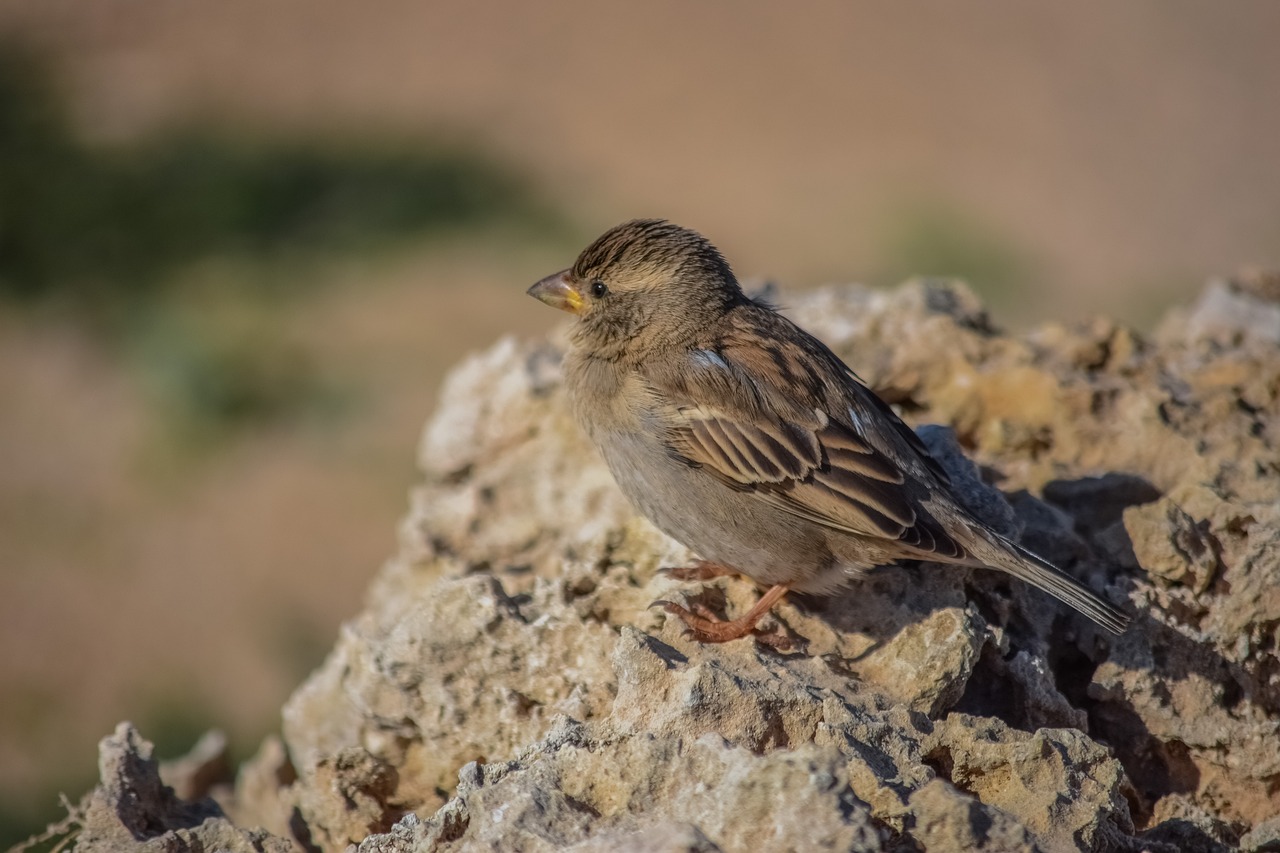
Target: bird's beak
{"x": 558, "y": 291}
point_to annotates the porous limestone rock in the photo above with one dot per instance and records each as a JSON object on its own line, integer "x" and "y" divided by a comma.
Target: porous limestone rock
{"x": 508, "y": 687}
{"x": 133, "y": 809}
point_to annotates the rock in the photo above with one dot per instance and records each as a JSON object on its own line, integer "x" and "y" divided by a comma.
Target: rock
{"x": 950, "y": 820}
{"x": 133, "y": 810}
{"x": 1263, "y": 837}
{"x": 1230, "y": 311}
{"x": 1063, "y": 787}
{"x": 1173, "y": 545}
{"x": 507, "y": 685}
{"x": 206, "y": 766}
{"x": 578, "y": 784}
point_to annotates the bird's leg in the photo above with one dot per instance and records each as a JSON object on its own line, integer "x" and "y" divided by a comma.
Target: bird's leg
{"x": 705, "y": 628}
{"x": 701, "y": 570}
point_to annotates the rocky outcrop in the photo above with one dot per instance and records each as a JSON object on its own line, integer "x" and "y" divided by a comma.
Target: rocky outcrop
{"x": 508, "y": 687}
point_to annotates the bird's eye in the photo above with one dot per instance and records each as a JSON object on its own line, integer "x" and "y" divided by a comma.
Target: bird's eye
{"x": 598, "y": 289}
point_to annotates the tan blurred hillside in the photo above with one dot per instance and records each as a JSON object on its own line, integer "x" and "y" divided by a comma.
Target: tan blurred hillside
{"x": 1127, "y": 149}
{"x": 1071, "y": 159}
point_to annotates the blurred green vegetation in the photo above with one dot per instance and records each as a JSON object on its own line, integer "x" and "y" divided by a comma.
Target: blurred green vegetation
{"x": 98, "y": 224}
{"x": 26, "y": 708}
{"x": 108, "y": 235}
{"x": 930, "y": 238}
{"x": 218, "y": 363}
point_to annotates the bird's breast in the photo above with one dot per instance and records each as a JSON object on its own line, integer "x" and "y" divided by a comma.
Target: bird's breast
{"x": 608, "y": 398}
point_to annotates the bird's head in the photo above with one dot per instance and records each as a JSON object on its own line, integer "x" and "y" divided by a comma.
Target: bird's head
{"x": 641, "y": 285}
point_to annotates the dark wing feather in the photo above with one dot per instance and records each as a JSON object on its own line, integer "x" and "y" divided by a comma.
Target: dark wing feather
{"x": 788, "y": 466}
{"x": 751, "y": 453}
{"x": 792, "y": 425}
{"x": 866, "y": 405}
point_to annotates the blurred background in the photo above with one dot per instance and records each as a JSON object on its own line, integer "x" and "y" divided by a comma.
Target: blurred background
{"x": 241, "y": 242}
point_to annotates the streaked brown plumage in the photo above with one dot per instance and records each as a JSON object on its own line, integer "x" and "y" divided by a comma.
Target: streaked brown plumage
{"x": 746, "y": 439}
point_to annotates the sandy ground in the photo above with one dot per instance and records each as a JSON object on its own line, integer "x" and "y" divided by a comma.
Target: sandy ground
{"x": 1126, "y": 150}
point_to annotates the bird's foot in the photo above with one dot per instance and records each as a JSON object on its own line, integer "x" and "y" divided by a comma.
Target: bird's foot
{"x": 701, "y": 570}
{"x": 705, "y": 627}
{"x": 701, "y": 625}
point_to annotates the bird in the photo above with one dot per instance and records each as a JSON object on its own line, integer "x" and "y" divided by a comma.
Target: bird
{"x": 746, "y": 439}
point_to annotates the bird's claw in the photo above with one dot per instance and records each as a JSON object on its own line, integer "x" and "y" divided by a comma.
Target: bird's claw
{"x": 703, "y": 626}
{"x": 701, "y": 570}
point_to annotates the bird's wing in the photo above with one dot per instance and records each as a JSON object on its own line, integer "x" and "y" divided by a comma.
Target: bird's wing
{"x": 782, "y": 418}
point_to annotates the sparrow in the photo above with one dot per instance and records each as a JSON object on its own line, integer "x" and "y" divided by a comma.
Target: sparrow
{"x": 747, "y": 440}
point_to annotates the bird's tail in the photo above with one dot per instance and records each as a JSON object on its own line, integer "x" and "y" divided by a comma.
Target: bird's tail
{"x": 1037, "y": 571}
